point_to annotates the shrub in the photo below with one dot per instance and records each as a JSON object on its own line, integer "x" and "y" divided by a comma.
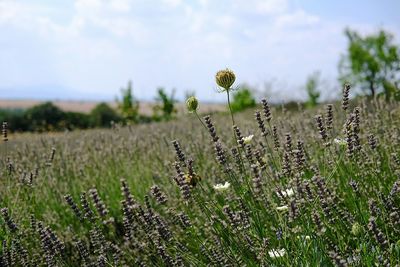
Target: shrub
{"x": 144, "y": 119}
{"x": 16, "y": 119}
{"x": 312, "y": 88}
{"x": 102, "y": 116}
{"x": 76, "y": 120}
{"x": 243, "y": 99}
{"x": 44, "y": 117}
{"x": 165, "y": 107}
{"x": 129, "y": 106}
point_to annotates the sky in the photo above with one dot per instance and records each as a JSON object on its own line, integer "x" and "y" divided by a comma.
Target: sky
{"x": 89, "y": 49}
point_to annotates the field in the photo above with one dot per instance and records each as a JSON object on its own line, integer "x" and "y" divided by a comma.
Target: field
{"x": 318, "y": 187}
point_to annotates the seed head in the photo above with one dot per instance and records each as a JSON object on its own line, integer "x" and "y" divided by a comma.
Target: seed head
{"x": 225, "y": 79}
{"x": 192, "y": 104}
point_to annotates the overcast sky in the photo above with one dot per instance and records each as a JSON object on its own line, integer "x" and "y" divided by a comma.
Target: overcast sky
{"x": 89, "y": 49}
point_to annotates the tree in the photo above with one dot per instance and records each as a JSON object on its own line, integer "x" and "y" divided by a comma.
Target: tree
{"x": 129, "y": 106}
{"x": 372, "y": 62}
{"x": 165, "y": 105}
{"x": 312, "y": 87}
{"x": 76, "y": 120}
{"x": 243, "y": 99}
{"x": 102, "y": 116}
{"x": 45, "y": 117}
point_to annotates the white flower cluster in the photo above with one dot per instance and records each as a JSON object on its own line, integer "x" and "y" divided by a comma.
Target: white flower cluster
{"x": 276, "y": 253}
{"x": 222, "y": 187}
{"x": 286, "y": 193}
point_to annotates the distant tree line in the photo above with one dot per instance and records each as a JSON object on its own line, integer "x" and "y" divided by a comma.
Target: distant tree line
{"x": 48, "y": 117}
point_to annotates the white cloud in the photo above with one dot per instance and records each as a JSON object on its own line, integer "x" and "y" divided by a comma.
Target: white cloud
{"x": 204, "y": 3}
{"x": 271, "y": 6}
{"x": 88, "y": 5}
{"x": 8, "y": 11}
{"x": 263, "y": 7}
{"x": 122, "y": 6}
{"x": 225, "y": 22}
{"x": 172, "y": 3}
{"x": 299, "y": 18}
{"x": 16, "y": 13}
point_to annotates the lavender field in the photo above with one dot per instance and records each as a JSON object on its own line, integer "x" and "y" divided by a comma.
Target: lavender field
{"x": 315, "y": 187}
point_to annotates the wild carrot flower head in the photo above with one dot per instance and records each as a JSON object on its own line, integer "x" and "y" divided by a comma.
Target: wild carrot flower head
{"x": 247, "y": 139}
{"x": 277, "y": 253}
{"x": 282, "y": 208}
{"x": 225, "y": 79}
{"x": 287, "y": 193}
{"x": 340, "y": 141}
{"x": 192, "y": 104}
{"x": 222, "y": 187}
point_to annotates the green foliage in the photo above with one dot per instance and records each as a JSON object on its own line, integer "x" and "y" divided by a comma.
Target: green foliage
{"x": 76, "y": 120}
{"x": 372, "y": 62}
{"x": 312, "y": 88}
{"x": 390, "y": 91}
{"x": 165, "y": 107}
{"x": 48, "y": 117}
{"x": 142, "y": 119}
{"x": 243, "y": 99}
{"x": 44, "y": 117}
{"x": 129, "y": 106}
{"x": 16, "y": 119}
{"x": 103, "y": 115}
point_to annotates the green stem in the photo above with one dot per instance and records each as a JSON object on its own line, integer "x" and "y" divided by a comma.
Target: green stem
{"x": 198, "y": 117}
{"x": 230, "y": 108}
{"x": 233, "y": 120}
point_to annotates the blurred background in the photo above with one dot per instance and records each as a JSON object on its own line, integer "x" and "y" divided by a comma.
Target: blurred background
{"x": 78, "y": 53}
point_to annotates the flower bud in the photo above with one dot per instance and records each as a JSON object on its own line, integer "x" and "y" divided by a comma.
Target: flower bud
{"x": 192, "y": 104}
{"x": 225, "y": 79}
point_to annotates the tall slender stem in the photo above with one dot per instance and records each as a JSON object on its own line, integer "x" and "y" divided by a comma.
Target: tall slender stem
{"x": 230, "y": 108}
{"x": 233, "y": 120}
{"x": 197, "y": 115}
